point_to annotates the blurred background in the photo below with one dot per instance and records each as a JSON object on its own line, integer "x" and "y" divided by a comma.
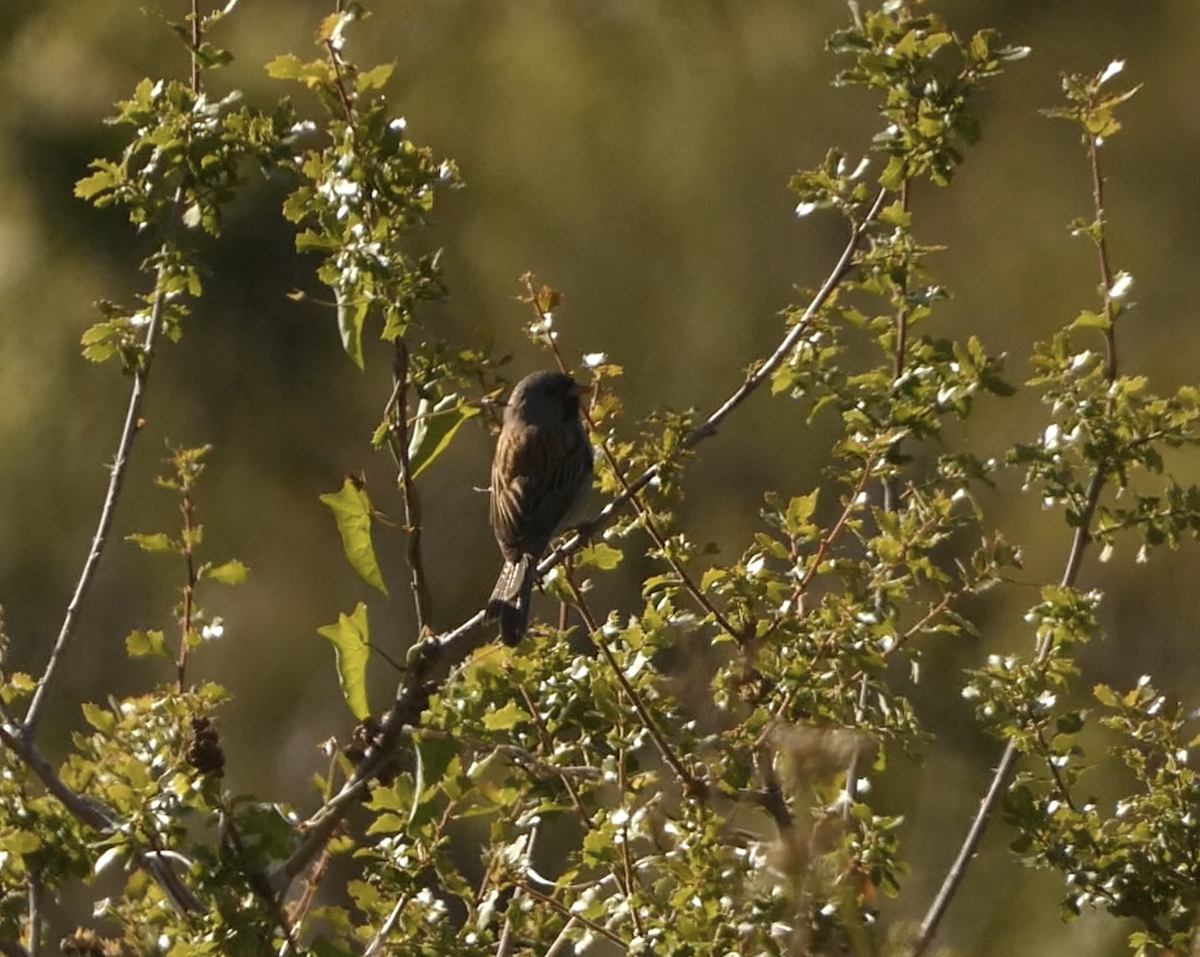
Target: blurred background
{"x": 633, "y": 154}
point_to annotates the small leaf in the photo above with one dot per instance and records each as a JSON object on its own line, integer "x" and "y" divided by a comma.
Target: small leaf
{"x": 100, "y": 181}
{"x": 352, "y": 643}
{"x": 156, "y": 542}
{"x": 352, "y": 510}
{"x": 141, "y": 644}
{"x": 230, "y": 573}
{"x": 507, "y": 717}
{"x": 374, "y": 78}
{"x": 433, "y": 430}
{"x": 1091, "y": 320}
{"x": 99, "y": 718}
{"x": 351, "y": 317}
{"x": 601, "y": 556}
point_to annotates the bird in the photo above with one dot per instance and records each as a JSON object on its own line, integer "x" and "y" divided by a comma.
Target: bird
{"x": 541, "y": 479}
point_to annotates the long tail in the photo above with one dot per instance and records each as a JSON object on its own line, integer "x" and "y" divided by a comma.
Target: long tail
{"x": 509, "y": 603}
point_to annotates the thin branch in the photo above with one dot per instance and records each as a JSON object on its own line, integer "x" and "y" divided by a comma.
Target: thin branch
{"x": 189, "y": 589}
{"x": 36, "y": 891}
{"x": 398, "y": 434}
{"x": 691, "y": 784}
{"x": 626, "y": 863}
{"x": 95, "y": 815}
{"x": 562, "y": 940}
{"x": 565, "y": 912}
{"x": 120, "y": 465}
{"x": 546, "y": 739}
{"x": 1079, "y": 542}
{"x": 389, "y": 924}
{"x": 753, "y": 382}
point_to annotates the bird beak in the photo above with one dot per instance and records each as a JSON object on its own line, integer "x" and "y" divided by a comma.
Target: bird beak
{"x": 578, "y": 390}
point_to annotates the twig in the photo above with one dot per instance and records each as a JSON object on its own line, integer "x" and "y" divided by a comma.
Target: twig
{"x": 398, "y": 407}
{"x": 189, "y": 588}
{"x": 1079, "y": 542}
{"x": 561, "y": 909}
{"x": 386, "y": 928}
{"x": 626, "y": 863}
{"x": 645, "y": 515}
{"x": 35, "y": 915}
{"x": 133, "y": 421}
{"x": 562, "y": 940}
{"x": 708, "y": 427}
{"x": 689, "y": 781}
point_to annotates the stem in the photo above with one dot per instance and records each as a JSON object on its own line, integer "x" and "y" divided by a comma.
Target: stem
{"x": 412, "y": 503}
{"x": 35, "y": 915}
{"x": 133, "y": 424}
{"x": 689, "y": 781}
{"x": 1002, "y": 776}
{"x": 189, "y": 588}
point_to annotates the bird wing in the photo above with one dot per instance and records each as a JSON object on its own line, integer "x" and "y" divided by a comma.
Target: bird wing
{"x": 537, "y": 478}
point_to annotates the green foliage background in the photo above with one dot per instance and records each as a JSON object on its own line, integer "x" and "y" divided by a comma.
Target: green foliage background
{"x": 635, "y": 156}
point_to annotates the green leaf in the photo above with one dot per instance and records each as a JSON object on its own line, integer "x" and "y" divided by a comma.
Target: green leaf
{"x": 507, "y": 717}
{"x": 601, "y": 556}
{"x": 351, "y": 317}
{"x": 141, "y": 644}
{"x": 1091, "y": 320}
{"x": 323, "y": 947}
{"x": 376, "y": 77}
{"x": 351, "y": 638}
{"x": 1105, "y": 695}
{"x": 156, "y": 542}
{"x": 230, "y": 573}
{"x": 102, "y": 180}
{"x": 434, "y": 428}
{"x": 799, "y": 513}
{"x": 291, "y": 67}
{"x": 352, "y": 510}
{"x": 99, "y": 718}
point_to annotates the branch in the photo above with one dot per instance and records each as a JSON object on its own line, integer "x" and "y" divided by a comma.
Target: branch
{"x": 691, "y": 784}
{"x": 133, "y": 420}
{"x": 432, "y": 657}
{"x": 398, "y": 434}
{"x": 95, "y": 815}
{"x": 1079, "y": 542}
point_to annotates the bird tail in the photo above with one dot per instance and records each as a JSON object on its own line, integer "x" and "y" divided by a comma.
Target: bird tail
{"x": 509, "y": 603}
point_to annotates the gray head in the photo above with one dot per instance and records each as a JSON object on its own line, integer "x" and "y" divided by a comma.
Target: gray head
{"x": 544, "y": 398}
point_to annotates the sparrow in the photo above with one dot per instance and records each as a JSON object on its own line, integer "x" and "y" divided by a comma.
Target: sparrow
{"x": 541, "y": 478}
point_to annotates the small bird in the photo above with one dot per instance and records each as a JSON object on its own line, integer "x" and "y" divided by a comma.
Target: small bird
{"x": 541, "y": 478}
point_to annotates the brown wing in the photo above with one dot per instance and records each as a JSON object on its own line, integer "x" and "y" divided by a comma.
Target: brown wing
{"x": 539, "y": 476}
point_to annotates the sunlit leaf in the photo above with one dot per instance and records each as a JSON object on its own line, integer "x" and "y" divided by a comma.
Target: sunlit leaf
{"x": 352, "y": 511}
{"x": 351, "y": 638}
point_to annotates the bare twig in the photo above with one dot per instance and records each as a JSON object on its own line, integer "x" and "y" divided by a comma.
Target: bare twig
{"x": 388, "y": 925}
{"x": 398, "y": 434}
{"x": 187, "y": 508}
{"x": 562, "y": 940}
{"x": 120, "y": 465}
{"x": 558, "y": 906}
{"x": 36, "y": 890}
